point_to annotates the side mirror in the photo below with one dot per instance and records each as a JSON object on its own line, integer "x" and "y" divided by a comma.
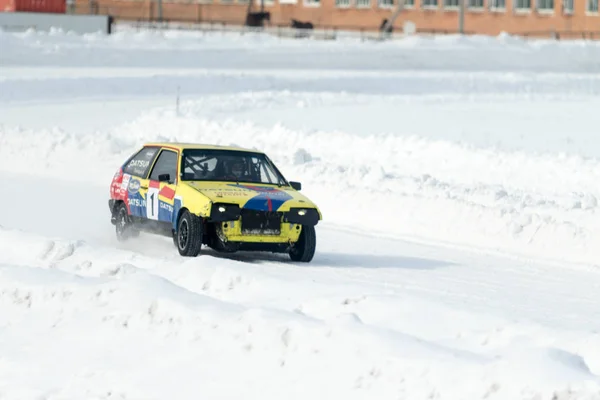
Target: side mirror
{"x": 296, "y": 185}
{"x": 164, "y": 178}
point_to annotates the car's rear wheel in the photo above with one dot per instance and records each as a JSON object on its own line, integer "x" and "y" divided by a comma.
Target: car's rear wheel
{"x": 189, "y": 234}
{"x": 304, "y": 249}
{"x": 124, "y": 228}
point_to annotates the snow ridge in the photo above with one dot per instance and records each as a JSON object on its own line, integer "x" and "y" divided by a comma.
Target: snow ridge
{"x": 72, "y": 294}
{"x": 434, "y": 190}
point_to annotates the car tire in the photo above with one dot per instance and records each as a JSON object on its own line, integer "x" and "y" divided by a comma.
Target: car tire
{"x": 305, "y": 247}
{"x": 124, "y": 228}
{"x": 189, "y": 234}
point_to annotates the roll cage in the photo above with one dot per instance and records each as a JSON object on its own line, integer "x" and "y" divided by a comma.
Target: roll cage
{"x": 212, "y": 165}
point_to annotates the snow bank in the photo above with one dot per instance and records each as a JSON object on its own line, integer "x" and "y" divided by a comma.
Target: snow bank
{"x": 125, "y": 325}
{"x": 256, "y": 51}
{"x": 432, "y": 190}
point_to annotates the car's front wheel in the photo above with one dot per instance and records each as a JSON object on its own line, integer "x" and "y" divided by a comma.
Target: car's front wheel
{"x": 189, "y": 234}
{"x": 304, "y": 249}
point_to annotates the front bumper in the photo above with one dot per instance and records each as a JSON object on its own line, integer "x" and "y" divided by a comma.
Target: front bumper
{"x": 235, "y": 224}
{"x": 232, "y": 232}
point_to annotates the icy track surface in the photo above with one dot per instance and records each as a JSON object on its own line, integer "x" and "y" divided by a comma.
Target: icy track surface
{"x": 459, "y": 183}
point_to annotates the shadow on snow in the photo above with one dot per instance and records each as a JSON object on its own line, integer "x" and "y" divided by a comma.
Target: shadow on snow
{"x": 337, "y": 260}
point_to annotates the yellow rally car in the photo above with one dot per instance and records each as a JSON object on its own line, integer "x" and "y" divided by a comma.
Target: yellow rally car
{"x": 227, "y": 198}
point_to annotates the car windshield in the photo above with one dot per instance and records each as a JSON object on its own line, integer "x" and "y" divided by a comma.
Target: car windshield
{"x": 226, "y": 165}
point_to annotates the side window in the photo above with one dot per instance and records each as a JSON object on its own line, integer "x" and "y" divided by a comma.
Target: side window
{"x": 140, "y": 163}
{"x": 165, "y": 164}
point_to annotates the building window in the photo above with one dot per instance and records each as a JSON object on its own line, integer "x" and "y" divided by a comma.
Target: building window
{"x": 498, "y": 4}
{"x": 545, "y": 5}
{"x": 429, "y": 3}
{"x": 312, "y": 3}
{"x": 342, "y": 3}
{"x": 523, "y": 5}
{"x": 363, "y": 3}
{"x": 475, "y": 4}
{"x": 592, "y": 6}
{"x": 390, "y": 3}
{"x": 451, "y": 3}
{"x": 568, "y": 6}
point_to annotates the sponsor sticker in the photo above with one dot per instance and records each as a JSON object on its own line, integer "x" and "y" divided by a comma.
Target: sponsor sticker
{"x": 124, "y": 185}
{"x": 134, "y": 186}
{"x": 138, "y": 163}
{"x": 136, "y": 202}
{"x": 166, "y": 206}
{"x": 149, "y": 153}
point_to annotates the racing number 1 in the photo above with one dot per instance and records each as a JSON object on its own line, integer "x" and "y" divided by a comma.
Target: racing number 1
{"x": 152, "y": 203}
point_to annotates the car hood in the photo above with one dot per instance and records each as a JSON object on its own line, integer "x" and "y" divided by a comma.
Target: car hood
{"x": 252, "y": 196}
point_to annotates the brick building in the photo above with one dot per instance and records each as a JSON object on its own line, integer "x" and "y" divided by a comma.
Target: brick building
{"x": 480, "y": 16}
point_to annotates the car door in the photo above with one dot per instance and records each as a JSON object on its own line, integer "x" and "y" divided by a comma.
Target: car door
{"x": 135, "y": 174}
{"x": 161, "y": 187}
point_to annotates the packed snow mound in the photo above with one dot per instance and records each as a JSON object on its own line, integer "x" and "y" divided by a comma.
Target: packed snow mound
{"x": 100, "y": 312}
{"x": 550, "y": 364}
{"x": 425, "y": 189}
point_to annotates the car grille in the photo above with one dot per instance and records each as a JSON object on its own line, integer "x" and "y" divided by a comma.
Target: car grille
{"x": 261, "y": 222}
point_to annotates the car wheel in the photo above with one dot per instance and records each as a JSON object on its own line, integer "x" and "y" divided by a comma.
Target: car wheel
{"x": 189, "y": 235}
{"x": 304, "y": 249}
{"x": 123, "y": 226}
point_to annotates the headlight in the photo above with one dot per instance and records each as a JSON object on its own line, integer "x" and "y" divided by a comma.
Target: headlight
{"x": 302, "y": 216}
{"x": 220, "y": 212}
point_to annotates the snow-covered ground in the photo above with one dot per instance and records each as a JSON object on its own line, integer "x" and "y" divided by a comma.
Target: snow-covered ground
{"x": 458, "y": 178}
